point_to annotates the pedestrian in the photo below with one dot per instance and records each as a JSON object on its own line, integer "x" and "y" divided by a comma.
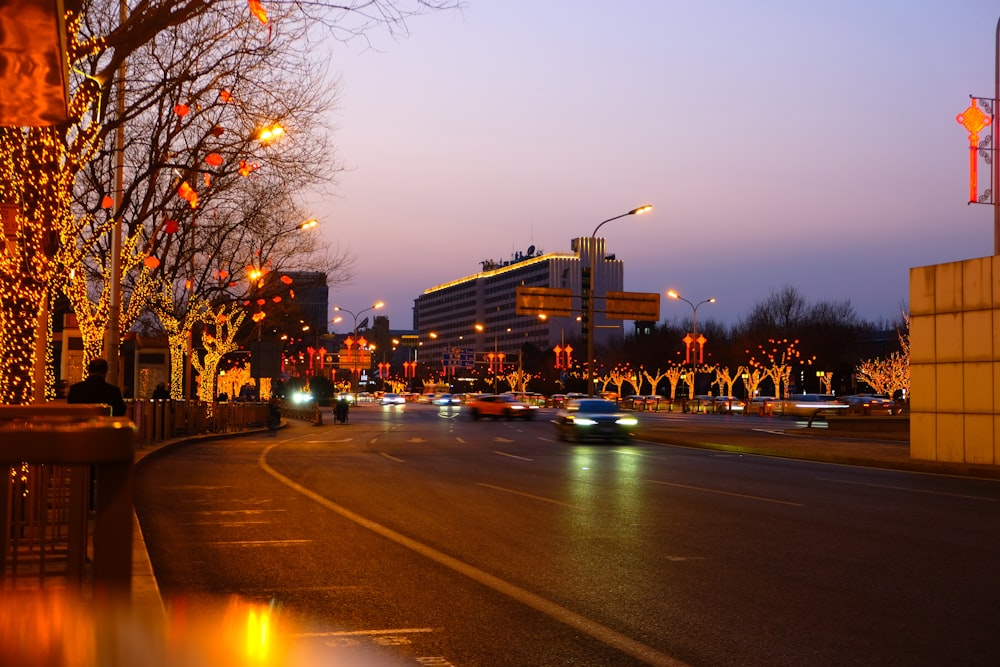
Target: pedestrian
{"x": 273, "y": 415}
{"x": 341, "y": 410}
{"x": 161, "y": 393}
{"x": 95, "y": 389}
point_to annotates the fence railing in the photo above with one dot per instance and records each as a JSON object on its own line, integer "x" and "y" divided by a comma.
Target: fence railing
{"x": 66, "y": 508}
{"x": 157, "y": 421}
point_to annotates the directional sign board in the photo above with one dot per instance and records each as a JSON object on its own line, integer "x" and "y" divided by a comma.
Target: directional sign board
{"x": 458, "y": 357}
{"x": 633, "y": 306}
{"x": 551, "y": 301}
{"x": 355, "y": 360}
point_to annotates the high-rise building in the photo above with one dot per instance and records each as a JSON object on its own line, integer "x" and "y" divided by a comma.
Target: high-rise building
{"x": 445, "y": 316}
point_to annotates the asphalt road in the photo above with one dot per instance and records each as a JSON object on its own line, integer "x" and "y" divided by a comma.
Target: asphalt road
{"x": 415, "y": 536}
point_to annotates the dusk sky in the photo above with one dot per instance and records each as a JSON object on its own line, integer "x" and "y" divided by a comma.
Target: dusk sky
{"x": 781, "y": 143}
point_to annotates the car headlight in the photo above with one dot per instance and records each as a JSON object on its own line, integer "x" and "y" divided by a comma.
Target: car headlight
{"x": 627, "y": 421}
{"x": 583, "y": 421}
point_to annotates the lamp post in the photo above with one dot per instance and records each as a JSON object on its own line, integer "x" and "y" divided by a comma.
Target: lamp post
{"x": 694, "y": 336}
{"x": 356, "y": 363}
{"x": 588, "y": 294}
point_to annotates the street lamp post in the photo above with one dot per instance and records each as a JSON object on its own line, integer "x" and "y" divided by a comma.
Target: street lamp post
{"x": 356, "y": 363}
{"x": 588, "y": 294}
{"x": 694, "y": 336}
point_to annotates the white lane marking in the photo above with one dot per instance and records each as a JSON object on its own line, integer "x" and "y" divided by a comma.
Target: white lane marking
{"x": 416, "y": 440}
{"x": 602, "y": 633}
{"x": 502, "y": 440}
{"x": 365, "y": 633}
{"x": 530, "y": 495}
{"x": 904, "y": 488}
{"x": 390, "y": 457}
{"x": 460, "y": 441}
{"x": 513, "y": 456}
{"x": 729, "y": 493}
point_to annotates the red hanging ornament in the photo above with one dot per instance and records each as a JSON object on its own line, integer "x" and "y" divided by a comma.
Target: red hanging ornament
{"x": 170, "y": 226}
{"x": 276, "y": 299}
{"x": 286, "y": 280}
{"x": 151, "y": 263}
{"x": 247, "y": 167}
{"x": 188, "y": 194}
{"x": 257, "y": 9}
{"x": 107, "y": 202}
{"x": 181, "y": 109}
{"x": 213, "y": 159}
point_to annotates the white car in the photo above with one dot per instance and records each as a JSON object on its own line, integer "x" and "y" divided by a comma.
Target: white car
{"x": 392, "y": 399}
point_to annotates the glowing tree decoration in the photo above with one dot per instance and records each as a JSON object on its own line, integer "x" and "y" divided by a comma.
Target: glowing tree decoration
{"x": 619, "y": 377}
{"x": 892, "y": 374}
{"x": 34, "y": 192}
{"x": 654, "y": 378}
{"x": 752, "y": 378}
{"x": 673, "y": 376}
{"x": 517, "y": 379}
{"x": 776, "y": 362}
{"x": 726, "y": 379}
{"x": 690, "y": 373}
{"x": 227, "y": 321}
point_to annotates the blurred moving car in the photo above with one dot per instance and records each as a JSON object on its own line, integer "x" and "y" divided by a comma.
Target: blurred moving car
{"x": 594, "y": 419}
{"x": 810, "y": 405}
{"x": 728, "y": 404}
{"x": 447, "y": 399}
{"x": 762, "y": 405}
{"x": 869, "y": 404}
{"x": 500, "y": 406}
{"x": 393, "y": 399}
{"x": 700, "y": 403}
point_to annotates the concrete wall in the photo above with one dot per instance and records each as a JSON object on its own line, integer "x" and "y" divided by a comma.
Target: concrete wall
{"x": 955, "y": 361}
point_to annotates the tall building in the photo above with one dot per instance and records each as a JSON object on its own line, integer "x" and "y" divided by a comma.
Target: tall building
{"x": 445, "y": 316}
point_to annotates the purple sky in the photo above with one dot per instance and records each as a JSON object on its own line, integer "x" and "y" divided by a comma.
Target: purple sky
{"x": 780, "y": 142}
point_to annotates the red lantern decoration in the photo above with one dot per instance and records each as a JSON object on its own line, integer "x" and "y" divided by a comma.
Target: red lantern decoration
{"x": 225, "y": 96}
{"x": 181, "y": 109}
{"x": 213, "y": 159}
{"x": 247, "y": 167}
{"x": 276, "y": 299}
{"x": 261, "y": 302}
{"x": 151, "y": 262}
{"x": 188, "y": 194}
{"x": 107, "y": 202}
{"x": 170, "y": 226}
{"x": 286, "y": 280}
{"x": 257, "y": 9}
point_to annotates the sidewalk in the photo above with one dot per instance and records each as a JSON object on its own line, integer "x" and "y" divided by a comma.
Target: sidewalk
{"x": 147, "y": 603}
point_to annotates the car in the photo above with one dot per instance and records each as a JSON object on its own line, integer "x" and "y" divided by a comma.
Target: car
{"x": 728, "y": 404}
{"x": 810, "y": 405}
{"x": 500, "y": 406}
{"x": 346, "y": 396}
{"x": 700, "y": 403}
{"x": 594, "y": 419}
{"x": 762, "y": 405}
{"x": 869, "y": 404}
{"x": 447, "y": 400}
{"x": 393, "y": 399}
{"x": 557, "y": 400}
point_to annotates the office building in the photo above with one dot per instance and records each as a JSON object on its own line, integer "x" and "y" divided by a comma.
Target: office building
{"x": 445, "y": 316}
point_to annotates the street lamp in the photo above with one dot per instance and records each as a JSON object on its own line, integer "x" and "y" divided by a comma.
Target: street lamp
{"x": 694, "y": 336}
{"x": 356, "y": 363}
{"x": 588, "y": 294}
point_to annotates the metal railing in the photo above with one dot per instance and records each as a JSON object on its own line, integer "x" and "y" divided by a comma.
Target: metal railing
{"x": 66, "y": 507}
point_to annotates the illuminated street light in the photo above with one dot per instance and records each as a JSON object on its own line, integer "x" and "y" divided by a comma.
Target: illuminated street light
{"x": 588, "y": 294}
{"x": 374, "y": 306}
{"x": 693, "y": 338}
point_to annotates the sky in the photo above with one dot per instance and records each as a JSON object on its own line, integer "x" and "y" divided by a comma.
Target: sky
{"x": 780, "y": 142}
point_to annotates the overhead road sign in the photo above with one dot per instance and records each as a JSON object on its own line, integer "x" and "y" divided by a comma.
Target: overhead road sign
{"x": 643, "y": 306}
{"x": 550, "y": 301}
